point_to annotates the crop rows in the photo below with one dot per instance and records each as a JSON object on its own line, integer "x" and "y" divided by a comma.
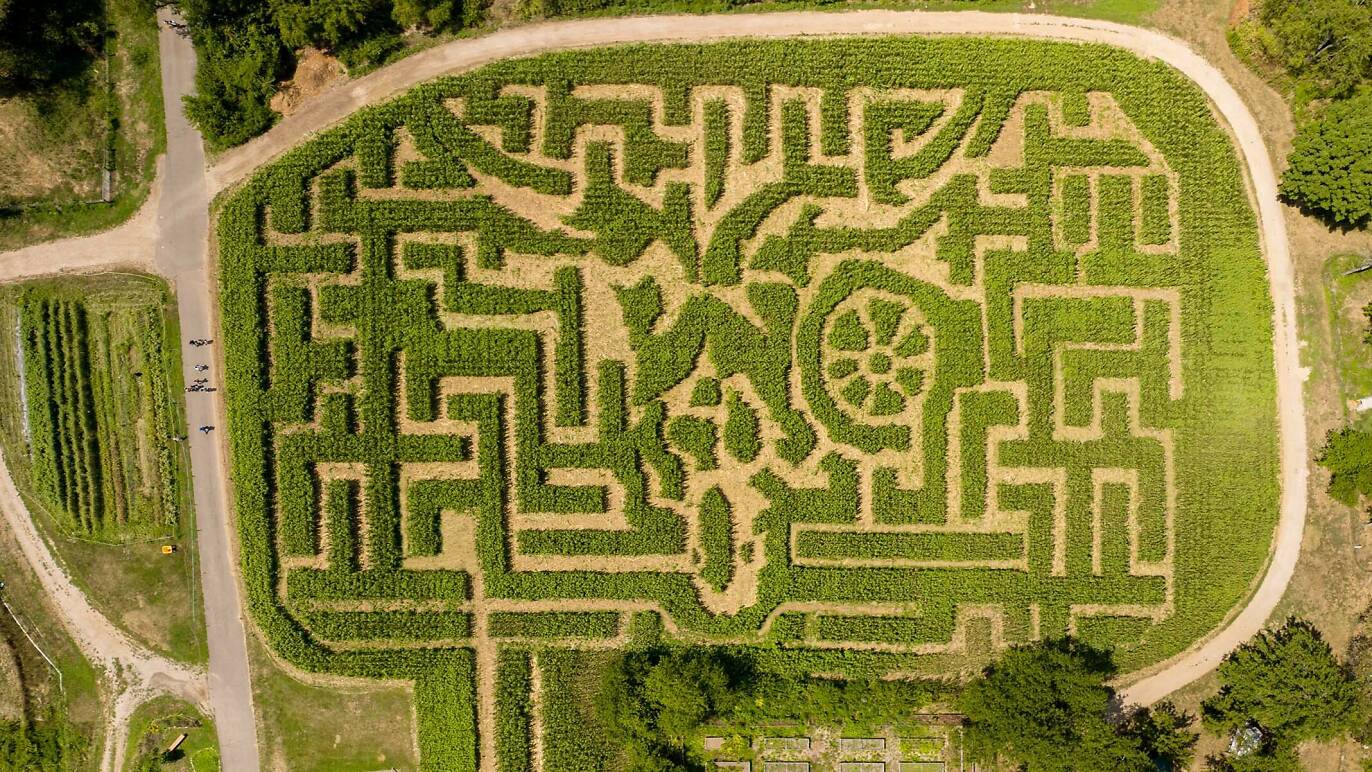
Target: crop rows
{"x": 880, "y": 354}
{"x": 101, "y": 415}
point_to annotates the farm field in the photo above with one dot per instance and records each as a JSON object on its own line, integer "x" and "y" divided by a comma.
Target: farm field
{"x": 98, "y": 413}
{"x": 877, "y": 373}
{"x": 91, "y": 377}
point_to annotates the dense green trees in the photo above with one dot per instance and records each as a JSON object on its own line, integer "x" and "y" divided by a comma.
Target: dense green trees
{"x": 1347, "y": 454}
{"x": 1325, "y": 47}
{"x": 1288, "y": 684}
{"x": 326, "y": 23}
{"x": 244, "y": 48}
{"x": 1330, "y": 166}
{"x": 655, "y": 705}
{"x": 654, "y": 702}
{"x": 1045, "y": 706}
{"x": 436, "y": 14}
{"x": 43, "y": 42}
{"x": 240, "y": 57}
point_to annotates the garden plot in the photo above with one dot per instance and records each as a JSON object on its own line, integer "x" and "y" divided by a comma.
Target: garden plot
{"x": 97, "y": 417}
{"x": 910, "y": 746}
{"x": 891, "y": 352}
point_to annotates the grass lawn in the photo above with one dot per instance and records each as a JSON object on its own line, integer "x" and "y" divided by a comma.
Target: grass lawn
{"x": 56, "y": 141}
{"x": 307, "y": 728}
{"x": 75, "y": 696}
{"x": 121, "y": 567}
{"x": 1347, "y": 295}
{"x": 156, "y": 725}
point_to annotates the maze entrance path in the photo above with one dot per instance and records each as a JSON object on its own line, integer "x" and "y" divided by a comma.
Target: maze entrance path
{"x": 889, "y": 351}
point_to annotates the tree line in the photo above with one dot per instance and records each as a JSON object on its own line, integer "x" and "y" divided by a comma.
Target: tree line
{"x": 1325, "y": 47}
{"x": 1041, "y": 707}
{"x": 244, "y": 47}
{"x": 46, "y": 43}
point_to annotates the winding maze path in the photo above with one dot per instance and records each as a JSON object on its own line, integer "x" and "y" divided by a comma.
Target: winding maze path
{"x": 608, "y": 415}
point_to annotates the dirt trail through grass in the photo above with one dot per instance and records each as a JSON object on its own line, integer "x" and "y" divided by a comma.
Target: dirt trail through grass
{"x": 136, "y": 672}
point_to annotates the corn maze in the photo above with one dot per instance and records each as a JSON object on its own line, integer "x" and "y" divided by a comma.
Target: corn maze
{"x": 876, "y": 354}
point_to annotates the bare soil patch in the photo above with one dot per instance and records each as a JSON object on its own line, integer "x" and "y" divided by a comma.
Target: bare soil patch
{"x": 315, "y": 72}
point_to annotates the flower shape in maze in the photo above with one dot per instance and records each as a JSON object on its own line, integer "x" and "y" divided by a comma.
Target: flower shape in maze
{"x": 878, "y": 356}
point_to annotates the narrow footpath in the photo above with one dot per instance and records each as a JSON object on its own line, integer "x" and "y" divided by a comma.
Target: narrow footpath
{"x": 133, "y": 673}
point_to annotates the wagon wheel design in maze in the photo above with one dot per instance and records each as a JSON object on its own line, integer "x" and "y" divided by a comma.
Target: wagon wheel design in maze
{"x": 563, "y": 355}
{"x": 877, "y": 356}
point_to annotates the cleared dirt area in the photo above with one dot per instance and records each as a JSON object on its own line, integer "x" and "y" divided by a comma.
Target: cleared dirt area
{"x": 315, "y": 71}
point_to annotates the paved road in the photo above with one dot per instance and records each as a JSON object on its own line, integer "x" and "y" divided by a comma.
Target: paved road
{"x": 183, "y": 257}
{"x": 336, "y": 104}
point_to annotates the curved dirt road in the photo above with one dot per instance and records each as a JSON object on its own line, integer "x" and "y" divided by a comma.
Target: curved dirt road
{"x": 335, "y": 105}
{"x": 135, "y": 672}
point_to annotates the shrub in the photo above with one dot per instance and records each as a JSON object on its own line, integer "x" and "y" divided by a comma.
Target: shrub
{"x": 1329, "y": 170}
{"x": 1046, "y": 707}
{"x": 1288, "y": 683}
{"x": 1347, "y": 454}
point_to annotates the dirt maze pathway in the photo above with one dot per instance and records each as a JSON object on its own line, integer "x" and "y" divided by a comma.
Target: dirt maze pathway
{"x": 501, "y": 483}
